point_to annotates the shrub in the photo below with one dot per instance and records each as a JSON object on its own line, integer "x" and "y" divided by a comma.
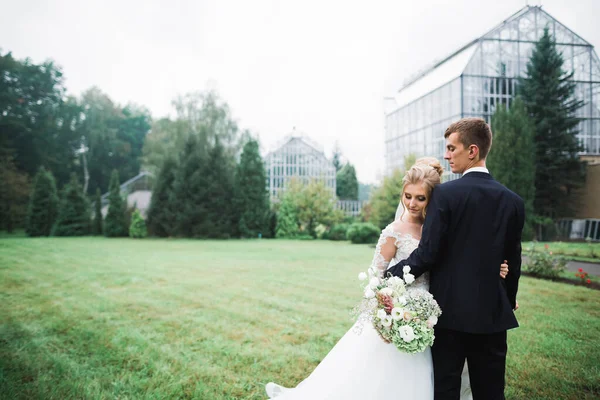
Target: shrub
{"x": 363, "y": 232}
{"x": 544, "y": 263}
{"x": 321, "y": 232}
{"x": 583, "y": 276}
{"x": 137, "y": 229}
{"x": 338, "y": 232}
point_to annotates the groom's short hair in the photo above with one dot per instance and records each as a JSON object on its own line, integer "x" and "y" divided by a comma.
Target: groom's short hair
{"x": 473, "y": 131}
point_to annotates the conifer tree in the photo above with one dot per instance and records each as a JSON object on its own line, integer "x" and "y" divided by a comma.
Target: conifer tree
{"x": 43, "y": 205}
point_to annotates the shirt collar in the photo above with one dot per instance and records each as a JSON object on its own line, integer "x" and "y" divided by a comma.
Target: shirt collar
{"x": 477, "y": 169}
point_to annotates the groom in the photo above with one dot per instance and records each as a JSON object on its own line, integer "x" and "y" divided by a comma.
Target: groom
{"x": 472, "y": 225}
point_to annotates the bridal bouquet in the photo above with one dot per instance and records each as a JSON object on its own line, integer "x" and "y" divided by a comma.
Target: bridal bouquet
{"x": 402, "y": 315}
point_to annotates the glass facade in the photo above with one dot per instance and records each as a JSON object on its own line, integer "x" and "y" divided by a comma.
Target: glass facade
{"x": 474, "y": 80}
{"x": 297, "y": 157}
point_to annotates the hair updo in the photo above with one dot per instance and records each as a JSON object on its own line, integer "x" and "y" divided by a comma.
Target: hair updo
{"x": 427, "y": 172}
{"x": 431, "y": 162}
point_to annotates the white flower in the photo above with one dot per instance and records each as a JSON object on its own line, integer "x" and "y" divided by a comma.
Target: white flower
{"x": 406, "y": 269}
{"x": 362, "y": 276}
{"x": 409, "y": 278}
{"x": 387, "y": 291}
{"x": 387, "y": 321}
{"x": 369, "y": 294}
{"x": 406, "y": 333}
{"x": 394, "y": 281}
{"x": 397, "y": 313}
{"x": 431, "y": 321}
{"x": 381, "y": 314}
{"x": 407, "y": 316}
{"x": 374, "y": 282}
{"x": 401, "y": 300}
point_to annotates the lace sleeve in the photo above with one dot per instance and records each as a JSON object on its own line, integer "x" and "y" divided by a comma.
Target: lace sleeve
{"x": 385, "y": 249}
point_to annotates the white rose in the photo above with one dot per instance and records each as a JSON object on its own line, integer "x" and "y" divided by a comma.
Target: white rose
{"x": 402, "y": 300}
{"x": 387, "y": 291}
{"x": 381, "y": 314}
{"x": 387, "y": 321}
{"x": 409, "y": 278}
{"x": 432, "y": 321}
{"x": 406, "y": 333}
{"x": 362, "y": 276}
{"x": 369, "y": 294}
{"x": 394, "y": 281}
{"x": 406, "y": 269}
{"x": 374, "y": 282}
{"x": 397, "y": 313}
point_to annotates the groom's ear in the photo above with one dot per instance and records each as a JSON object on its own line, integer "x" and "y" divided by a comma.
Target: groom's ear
{"x": 473, "y": 151}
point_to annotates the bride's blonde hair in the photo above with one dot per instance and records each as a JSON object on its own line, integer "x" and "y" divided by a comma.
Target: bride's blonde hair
{"x": 427, "y": 172}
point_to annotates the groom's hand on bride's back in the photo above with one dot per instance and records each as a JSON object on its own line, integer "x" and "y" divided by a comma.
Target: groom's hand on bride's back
{"x": 504, "y": 269}
{"x": 503, "y": 274}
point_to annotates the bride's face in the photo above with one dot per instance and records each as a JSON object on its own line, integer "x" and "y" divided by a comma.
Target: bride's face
{"x": 415, "y": 200}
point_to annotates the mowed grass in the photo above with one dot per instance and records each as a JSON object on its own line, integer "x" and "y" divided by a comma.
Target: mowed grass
{"x": 97, "y": 318}
{"x": 588, "y": 252}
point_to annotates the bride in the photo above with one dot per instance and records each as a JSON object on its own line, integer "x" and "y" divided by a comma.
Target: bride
{"x": 361, "y": 365}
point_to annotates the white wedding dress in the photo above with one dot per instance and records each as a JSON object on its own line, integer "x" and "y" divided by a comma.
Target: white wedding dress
{"x": 362, "y": 366}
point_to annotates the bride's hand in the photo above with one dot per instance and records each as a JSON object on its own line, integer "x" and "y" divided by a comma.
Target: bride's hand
{"x": 504, "y": 270}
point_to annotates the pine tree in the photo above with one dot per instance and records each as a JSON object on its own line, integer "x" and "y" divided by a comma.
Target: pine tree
{"x": 137, "y": 229}
{"x": 548, "y": 94}
{"x": 98, "y": 219}
{"x": 74, "y": 211}
{"x": 43, "y": 205}
{"x": 115, "y": 224}
{"x": 511, "y": 159}
{"x": 163, "y": 207}
{"x": 220, "y": 213}
{"x": 346, "y": 183}
{"x": 190, "y": 191}
{"x": 252, "y": 201}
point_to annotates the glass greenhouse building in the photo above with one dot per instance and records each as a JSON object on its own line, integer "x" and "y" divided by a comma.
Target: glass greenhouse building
{"x": 481, "y": 75}
{"x": 297, "y": 156}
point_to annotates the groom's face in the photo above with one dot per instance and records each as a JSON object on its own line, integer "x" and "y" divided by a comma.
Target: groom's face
{"x": 456, "y": 154}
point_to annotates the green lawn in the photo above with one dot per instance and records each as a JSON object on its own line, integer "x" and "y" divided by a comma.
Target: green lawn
{"x": 99, "y": 318}
{"x": 578, "y": 251}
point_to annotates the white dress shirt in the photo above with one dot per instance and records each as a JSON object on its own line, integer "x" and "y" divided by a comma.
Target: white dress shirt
{"x": 477, "y": 169}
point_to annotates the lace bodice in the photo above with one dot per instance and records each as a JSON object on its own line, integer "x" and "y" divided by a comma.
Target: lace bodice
{"x": 405, "y": 244}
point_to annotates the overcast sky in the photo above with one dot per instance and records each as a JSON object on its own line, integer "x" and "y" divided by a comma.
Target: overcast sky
{"x": 321, "y": 66}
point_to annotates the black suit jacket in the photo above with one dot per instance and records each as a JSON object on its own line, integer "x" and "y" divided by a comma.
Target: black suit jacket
{"x": 472, "y": 225}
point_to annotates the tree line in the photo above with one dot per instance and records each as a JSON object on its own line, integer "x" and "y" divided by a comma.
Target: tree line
{"x": 209, "y": 177}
